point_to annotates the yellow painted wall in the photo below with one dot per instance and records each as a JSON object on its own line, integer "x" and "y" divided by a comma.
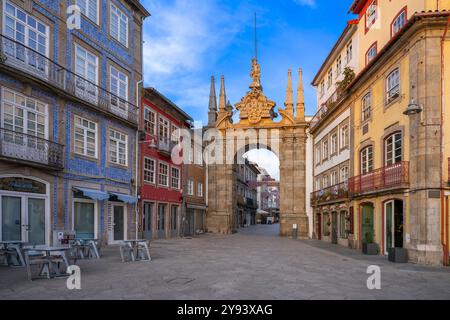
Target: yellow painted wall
{"x": 446, "y": 85}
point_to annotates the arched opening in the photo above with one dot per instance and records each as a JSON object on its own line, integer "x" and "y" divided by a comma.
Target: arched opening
{"x": 257, "y": 190}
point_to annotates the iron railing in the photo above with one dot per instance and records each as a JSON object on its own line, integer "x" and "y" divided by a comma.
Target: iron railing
{"x": 27, "y": 60}
{"x": 333, "y": 193}
{"x": 326, "y": 108}
{"x": 29, "y": 148}
{"x": 389, "y": 177}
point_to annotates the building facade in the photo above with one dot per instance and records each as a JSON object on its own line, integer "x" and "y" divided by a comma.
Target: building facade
{"x": 161, "y": 177}
{"x": 69, "y": 119}
{"x": 398, "y": 185}
{"x": 246, "y": 192}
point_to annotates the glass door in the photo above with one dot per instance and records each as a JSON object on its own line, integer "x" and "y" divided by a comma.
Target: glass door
{"x": 84, "y": 220}
{"x": 36, "y": 221}
{"x": 118, "y": 223}
{"x": 161, "y": 223}
{"x": 367, "y": 224}
{"x": 334, "y": 228}
{"x": 11, "y": 218}
{"x": 148, "y": 221}
{"x": 174, "y": 221}
{"x": 393, "y": 225}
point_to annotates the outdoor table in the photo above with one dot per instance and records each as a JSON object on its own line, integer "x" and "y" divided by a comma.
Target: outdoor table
{"x": 92, "y": 244}
{"x": 48, "y": 252}
{"x": 14, "y": 246}
{"x": 137, "y": 245}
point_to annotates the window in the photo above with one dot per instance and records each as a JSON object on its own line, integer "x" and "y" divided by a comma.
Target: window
{"x": 119, "y": 89}
{"x": 317, "y": 184}
{"x": 164, "y": 130}
{"x": 344, "y": 174}
{"x": 393, "y": 149}
{"x": 325, "y": 149}
{"x": 85, "y": 137}
{"x": 349, "y": 51}
{"x": 119, "y": 25}
{"x": 24, "y": 115}
{"x": 200, "y": 189}
{"x": 367, "y": 160}
{"x": 399, "y": 22}
{"x": 149, "y": 170}
{"x": 367, "y": 107}
{"x": 175, "y": 134}
{"x": 118, "y": 147}
{"x": 393, "y": 85}
{"x": 163, "y": 177}
{"x": 150, "y": 121}
{"x": 334, "y": 178}
{"x": 190, "y": 187}
{"x": 84, "y": 218}
{"x": 371, "y": 53}
{"x": 343, "y": 225}
{"x": 330, "y": 78}
{"x": 89, "y": 8}
{"x": 27, "y": 30}
{"x": 334, "y": 143}
{"x": 318, "y": 159}
{"x": 322, "y": 88}
{"x": 175, "y": 178}
{"x": 86, "y": 66}
{"x": 338, "y": 66}
{"x": 324, "y": 182}
{"x": 371, "y": 15}
{"x": 345, "y": 137}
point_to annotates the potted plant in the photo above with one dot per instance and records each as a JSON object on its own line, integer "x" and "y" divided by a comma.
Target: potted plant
{"x": 398, "y": 255}
{"x": 369, "y": 247}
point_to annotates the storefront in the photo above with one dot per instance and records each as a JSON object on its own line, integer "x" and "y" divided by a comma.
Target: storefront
{"x": 24, "y": 210}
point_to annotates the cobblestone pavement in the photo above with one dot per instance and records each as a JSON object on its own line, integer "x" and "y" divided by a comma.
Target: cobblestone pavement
{"x": 253, "y": 264}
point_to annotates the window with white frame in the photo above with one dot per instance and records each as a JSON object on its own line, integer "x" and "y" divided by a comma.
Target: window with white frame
{"x": 393, "y": 85}
{"x": 175, "y": 178}
{"x": 324, "y": 182}
{"x": 322, "y": 88}
{"x": 175, "y": 134}
{"x": 330, "y": 78}
{"x": 349, "y": 51}
{"x": 345, "y": 137}
{"x": 317, "y": 184}
{"x": 367, "y": 160}
{"x": 200, "y": 189}
{"x": 334, "y": 143}
{"x": 334, "y": 178}
{"x": 150, "y": 121}
{"x": 86, "y": 67}
{"x": 119, "y": 89}
{"x": 27, "y": 30}
{"x": 119, "y": 25}
{"x": 190, "y": 187}
{"x": 23, "y": 114}
{"x": 367, "y": 107}
{"x": 371, "y": 14}
{"x": 164, "y": 128}
{"x": 371, "y": 53}
{"x": 399, "y": 22}
{"x": 325, "y": 149}
{"x": 85, "y": 137}
{"x": 118, "y": 147}
{"x": 344, "y": 174}
{"x": 393, "y": 149}
{"x": 149, "y": 170}
{"x": 317, "y": 154}
{"x": 338, "y": 66}
{"x": 89, "y": 8}
{"x": 163, "y": 176}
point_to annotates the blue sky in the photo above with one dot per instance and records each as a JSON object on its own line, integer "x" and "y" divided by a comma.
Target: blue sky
{"x": 187, "y": 41}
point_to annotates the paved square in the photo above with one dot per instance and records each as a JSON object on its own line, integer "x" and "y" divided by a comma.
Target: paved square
{"x": 253, "y": 264}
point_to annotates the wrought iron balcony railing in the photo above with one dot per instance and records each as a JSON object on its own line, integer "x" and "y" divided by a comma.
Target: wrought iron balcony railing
{"x": 334, "y": 193}
{"x": 386, "y": 178}
{"x": 24, "y": 147}
{"x": 165, "y": 146}
{"x": 326, "y": 108}
{"x": 27, "y": 60}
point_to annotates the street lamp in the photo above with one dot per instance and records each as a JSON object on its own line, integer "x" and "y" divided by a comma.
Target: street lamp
{"x": 413, "y": 109}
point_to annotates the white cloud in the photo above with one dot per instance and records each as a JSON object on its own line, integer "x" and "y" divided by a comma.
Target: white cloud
{"x": 310, "y": 3}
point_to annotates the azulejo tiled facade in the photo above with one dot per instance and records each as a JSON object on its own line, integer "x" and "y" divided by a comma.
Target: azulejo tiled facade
{"x": 69, "y": 119}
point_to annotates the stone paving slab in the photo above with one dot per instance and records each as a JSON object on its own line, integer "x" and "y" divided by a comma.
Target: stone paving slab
{"x": 252, "y": 264}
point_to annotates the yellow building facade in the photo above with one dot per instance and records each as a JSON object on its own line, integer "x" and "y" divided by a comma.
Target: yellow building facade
{"x": 399, "y": 185}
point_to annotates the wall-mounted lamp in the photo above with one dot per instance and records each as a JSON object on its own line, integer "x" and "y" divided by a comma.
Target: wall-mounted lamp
{"x": 413, "y": 109}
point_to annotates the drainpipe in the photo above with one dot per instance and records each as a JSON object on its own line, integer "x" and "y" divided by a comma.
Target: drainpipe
{"x": 137, "y": 156}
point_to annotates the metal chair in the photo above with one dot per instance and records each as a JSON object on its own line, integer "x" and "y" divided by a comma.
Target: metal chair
{"x": 34, "y": 258}
{"x": 127, "y": 252}
{"x": 143, "y": 252}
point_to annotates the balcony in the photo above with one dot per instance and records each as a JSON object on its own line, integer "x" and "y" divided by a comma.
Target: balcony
{"x": 326, "y": 108}
{"x": 395, "y": 176}
{"x": 165, "y": 146}
{"x": 338, "y": 192}
{"x": 19, "y": 57}
{"x": 25, "y": 148}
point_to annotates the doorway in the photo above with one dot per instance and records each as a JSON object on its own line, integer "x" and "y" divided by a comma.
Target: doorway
{"x": 174, "y": 221}
{"x": 319, "y": 226}
{"x": 161, "y": 221}
{"x": 189, "y": 228}
{"x": 148, "y": 220}
{"x": 118, "y": 220}
{"x": 334, "y": 228}
{"x": 367, "y": 223}
{"x": 393, "y": 225}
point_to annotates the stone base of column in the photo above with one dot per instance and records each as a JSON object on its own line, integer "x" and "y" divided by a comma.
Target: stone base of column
{"x": 287, "y": 222}
{"x": 426, "y": 255}
{"x": 220, "y": 223}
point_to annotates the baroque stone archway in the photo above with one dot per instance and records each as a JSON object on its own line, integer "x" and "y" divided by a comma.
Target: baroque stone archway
{"x": 257, "y": 128}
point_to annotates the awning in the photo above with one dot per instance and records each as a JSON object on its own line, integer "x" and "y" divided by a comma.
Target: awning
{"x": 94, "y": 194}
{"x": 124, "y": 198}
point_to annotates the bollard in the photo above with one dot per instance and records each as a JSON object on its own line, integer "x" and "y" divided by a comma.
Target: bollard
{"x": 294, "y": 231}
